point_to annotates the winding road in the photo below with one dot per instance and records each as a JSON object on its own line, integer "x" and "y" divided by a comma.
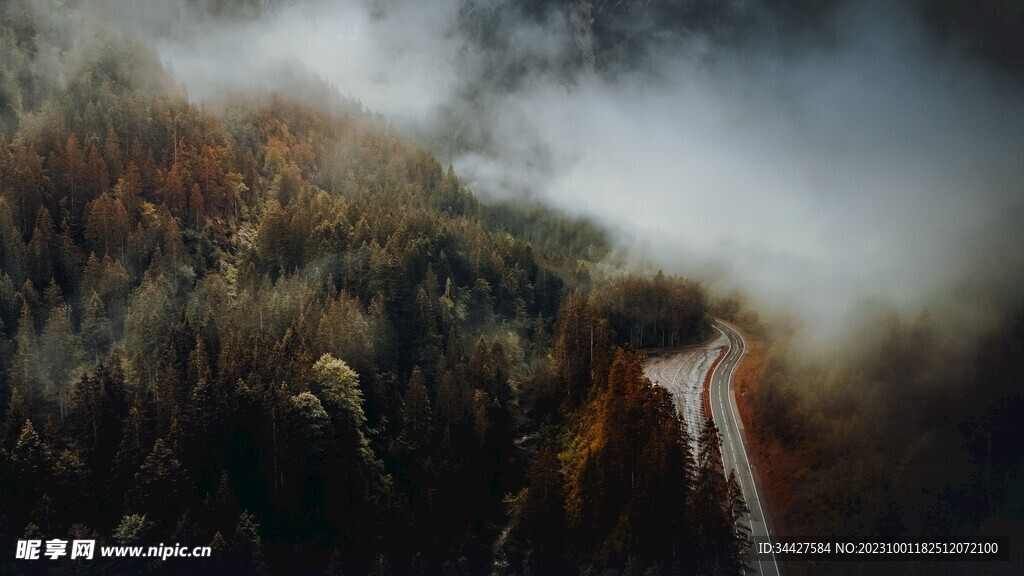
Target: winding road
{"x": 683, "y": 371}
{"x": 734, "y": 449}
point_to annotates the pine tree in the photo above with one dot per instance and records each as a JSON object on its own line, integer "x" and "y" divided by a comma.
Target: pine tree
{"x": 112, "y": 154}
{"x": 309, "y": 431}
{"x": 173, "y": 192}
{"x": 161, "y": 485}
{"x": 538, "y": 518}
{"x": 129, "y": 191}
{"x": 96, "y": 332}
{"x": 97, "y": 178}
{"x": 96, "y": 410}
{"x": 26, "y": 361}
{"x": 201, "y": 429}
{"x": 581, "y": 345}
{"x": 132, "y": 529}
{"x": 63, "y": 352}
{"x": 173, "y": 246}
{"x": 738, "y": 513}
{"x": 12, "y": 249}
{"x": 714, "y": 510}
{"x": 14, "y": 419}
{"x": 416, "y": 413}
{"x": 31, "y": 458}
{"x": 345, "y": 331}
{"x": 150, "y": 316}
{"x": 73, "y": 487}
{"x": 338, "y": 386}
{"x": 42, "y": 248}
{"x": 130, "y": 454}
{"x": 107, "y": 227}
{"x": 196, "y": 207}
{"x": 74, "y": 174}
{"x": 32, "y": 465}
{"x": 247, "y": 547}
{"x": 26, "y": 185}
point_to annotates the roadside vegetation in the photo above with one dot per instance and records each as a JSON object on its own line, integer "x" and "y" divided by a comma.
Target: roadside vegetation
{"x": 907, "y": 434}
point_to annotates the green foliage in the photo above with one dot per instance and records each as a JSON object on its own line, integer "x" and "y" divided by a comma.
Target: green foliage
{"x": 25, "y": 367}
{"x": 63, "y": 352}
{"x": 717, "y": 504}
{"x": 558, "y": 237}
{"x": 31, "y": 458}
{"x": 131, "y": 529}
{"x": 247, "y": 547}
{"x": 661, "y": 311}
{"x": 338, "y": 385}
{"x": 311, "y": 424}
{"x": 159, "y": 483}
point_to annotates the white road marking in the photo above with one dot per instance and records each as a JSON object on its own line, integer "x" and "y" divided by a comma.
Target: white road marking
{"x": 688, "y": 394}
{"x": 750, "y": 472}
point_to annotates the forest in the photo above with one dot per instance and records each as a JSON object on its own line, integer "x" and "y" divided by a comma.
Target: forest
{"x": 283, "y": 325}
{"x": 909, "y": 435}
{"x": 289, "y": 333}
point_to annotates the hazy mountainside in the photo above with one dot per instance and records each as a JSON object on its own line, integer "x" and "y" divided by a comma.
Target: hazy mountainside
{"x": 623, "y": 31}
{"x": 910, "y": 434}
{"x": 292, "y": 335}
{"x": 614, "y": 35}
{"x": 273, "y": 324}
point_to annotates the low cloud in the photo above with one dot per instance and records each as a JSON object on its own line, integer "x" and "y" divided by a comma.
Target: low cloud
{"x": 866, "y": 162}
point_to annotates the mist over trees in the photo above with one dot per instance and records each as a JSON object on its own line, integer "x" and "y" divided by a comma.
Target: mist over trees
{"x": 294, "y": 336}
{"x": 907, "y": 433}
{"x": 273, "y": 324}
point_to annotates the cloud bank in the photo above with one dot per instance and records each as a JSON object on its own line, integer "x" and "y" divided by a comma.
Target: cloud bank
{"x": 861, "y": 159}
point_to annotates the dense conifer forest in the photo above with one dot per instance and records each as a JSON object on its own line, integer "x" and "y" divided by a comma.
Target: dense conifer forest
{"x": 291, "y": 334}
{"x": 254, "y": 314}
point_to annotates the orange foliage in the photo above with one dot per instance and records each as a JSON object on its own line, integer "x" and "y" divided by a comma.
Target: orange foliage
{"x": 625, "y": 466}
{"x": 777, "y": 465}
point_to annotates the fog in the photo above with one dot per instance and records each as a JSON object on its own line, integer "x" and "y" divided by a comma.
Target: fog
{"x": 864, "y": 160}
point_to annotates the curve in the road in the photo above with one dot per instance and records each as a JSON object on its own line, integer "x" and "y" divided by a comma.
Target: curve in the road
{"x": 682, "y": 372}
{"x": 734, "y": 450}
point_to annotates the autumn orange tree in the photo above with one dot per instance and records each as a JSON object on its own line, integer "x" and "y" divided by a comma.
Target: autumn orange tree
{"x": 620, "y": 493}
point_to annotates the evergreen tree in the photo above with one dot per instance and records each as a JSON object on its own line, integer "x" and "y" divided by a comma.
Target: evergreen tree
{"x": 25, "y": 367}
{"x": 63, "y": 352}
{"x": 161, "y": 486}
{"x": 416, "y": 413}
{"x": 32, "y": 465}
{"x": 96, "y": 332}
{"x": 739, "y": 513}
{"x": 246, "y": 546}
{"x": 721, "y": 544}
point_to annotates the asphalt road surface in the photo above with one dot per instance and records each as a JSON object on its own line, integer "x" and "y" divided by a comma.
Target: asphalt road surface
{"x": 734, "y": 450}
{"x": 682, "y": 371}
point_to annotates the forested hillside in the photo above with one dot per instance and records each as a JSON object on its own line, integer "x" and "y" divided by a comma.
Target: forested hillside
{"x": 911, "y": 434}
{"x": 291, "y": 334}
